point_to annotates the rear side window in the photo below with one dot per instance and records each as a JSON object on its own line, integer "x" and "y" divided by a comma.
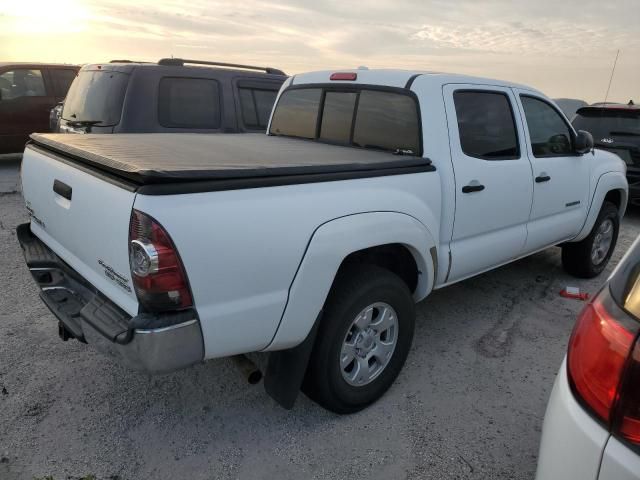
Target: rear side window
{"x": 297, "y": 113}
{"x": 96, "y": 96}
{"x": 362, "y": 117}
{"x": 256, "y": 105}
{"x": 550, "y": 135}
{"x": 486, "y": 125}
{"x": 189, "y": 103}
{"x": 62, "y": 78}
{"x": 21, "y": 83}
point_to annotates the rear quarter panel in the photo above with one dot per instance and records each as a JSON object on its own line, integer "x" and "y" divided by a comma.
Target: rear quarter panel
{"x": 241, "y": 249}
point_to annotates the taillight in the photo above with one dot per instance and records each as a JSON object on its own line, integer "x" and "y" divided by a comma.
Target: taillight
{"x": 158, "y": 275}
{"x": 628, "y": 411}
{"x": 604, "y": 366}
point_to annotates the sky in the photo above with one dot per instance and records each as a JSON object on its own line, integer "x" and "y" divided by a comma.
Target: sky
{"x": 565, "y": 48}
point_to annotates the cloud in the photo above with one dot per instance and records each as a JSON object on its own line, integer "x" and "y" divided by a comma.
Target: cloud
{"x": 571, "y": 42}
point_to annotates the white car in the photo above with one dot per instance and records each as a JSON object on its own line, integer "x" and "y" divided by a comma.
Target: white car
{"x": 592, "y": 426}
{"x": 313, "y": 242}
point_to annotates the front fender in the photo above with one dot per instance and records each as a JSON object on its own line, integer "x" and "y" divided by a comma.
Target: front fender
{"x": 606, "y": 182}
{"x": 330, "y": 244}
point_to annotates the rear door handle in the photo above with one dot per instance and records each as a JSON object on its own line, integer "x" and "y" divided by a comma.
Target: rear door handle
{"x": 472, "y": 188}
{"x": 542, "y": 178}
{"x": 62, "y": 189}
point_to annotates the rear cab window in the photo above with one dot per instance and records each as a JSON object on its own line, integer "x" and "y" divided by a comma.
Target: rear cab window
{"x": 96, "y": 96}
{"x": 361, "y": 116}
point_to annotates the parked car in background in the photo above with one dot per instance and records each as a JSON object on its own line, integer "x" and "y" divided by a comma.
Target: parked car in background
{"x": 592, "y": 424}
{"x": 28, "y": 92}
{"x": 616, "y": 127}
{"x": 569, "y": 106}
{"x": 373, "y": 188}
{"x": 172, "y": 95}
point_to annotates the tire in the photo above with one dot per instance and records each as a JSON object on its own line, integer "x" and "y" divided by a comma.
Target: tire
{"x": 362, "y": 288}
{"x": 578, "y": 258}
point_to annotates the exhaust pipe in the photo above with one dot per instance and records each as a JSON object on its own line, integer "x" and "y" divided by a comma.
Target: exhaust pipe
{"x": 247, "y": 368}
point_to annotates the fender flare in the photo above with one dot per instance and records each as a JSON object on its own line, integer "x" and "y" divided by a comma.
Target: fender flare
{"x": 329, "y": 245}
{"x": 606, "y": 182}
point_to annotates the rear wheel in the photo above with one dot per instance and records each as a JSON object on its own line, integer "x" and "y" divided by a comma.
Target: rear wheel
{"x": 589, "y": 257}
{"x": 363, "y": 340}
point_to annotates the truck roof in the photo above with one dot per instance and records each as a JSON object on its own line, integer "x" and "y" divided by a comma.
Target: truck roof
{"x": 159, "y": 158}
{"x": 398, "y": 78}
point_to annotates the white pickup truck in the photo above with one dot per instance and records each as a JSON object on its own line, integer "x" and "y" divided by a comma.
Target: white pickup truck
{"x": 371, "y": 189}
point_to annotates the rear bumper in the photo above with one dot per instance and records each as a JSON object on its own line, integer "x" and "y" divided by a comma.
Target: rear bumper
{"x": 154, "y": 343}
{"x": 572, "y": 442}
{"x": 576, "y": 447}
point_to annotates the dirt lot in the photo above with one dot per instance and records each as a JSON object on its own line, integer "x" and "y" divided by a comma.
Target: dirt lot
{"x": 468, "y": 404}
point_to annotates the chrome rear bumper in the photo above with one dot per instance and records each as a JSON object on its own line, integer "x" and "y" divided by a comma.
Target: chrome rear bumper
{"x": 153, "y": 343}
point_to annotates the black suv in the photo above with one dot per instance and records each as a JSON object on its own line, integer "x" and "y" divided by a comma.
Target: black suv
{"x": 173, "y": 95}
{"x": 616, "y": 127}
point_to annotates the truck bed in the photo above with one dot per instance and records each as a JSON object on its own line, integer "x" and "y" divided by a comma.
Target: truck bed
{"x": 257, "y": 159}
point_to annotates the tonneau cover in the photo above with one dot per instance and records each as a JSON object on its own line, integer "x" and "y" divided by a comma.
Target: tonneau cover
{"x": 186, "y": 157}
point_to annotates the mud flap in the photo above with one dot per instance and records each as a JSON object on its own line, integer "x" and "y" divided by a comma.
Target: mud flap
{"x": 286, "y": 369}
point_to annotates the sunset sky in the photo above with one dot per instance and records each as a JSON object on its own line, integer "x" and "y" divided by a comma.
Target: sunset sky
{"x": 566, "y": 48}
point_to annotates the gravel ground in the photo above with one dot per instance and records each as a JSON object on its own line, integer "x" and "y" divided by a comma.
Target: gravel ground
{"x": 468, "y": 404}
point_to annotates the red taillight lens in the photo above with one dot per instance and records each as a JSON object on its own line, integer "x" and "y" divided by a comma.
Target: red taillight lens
{"x": 158, "y": 275}
{"x": 628, "y": 411}
{"x": 598, "y": 350}
{"x": 604, "y": 366}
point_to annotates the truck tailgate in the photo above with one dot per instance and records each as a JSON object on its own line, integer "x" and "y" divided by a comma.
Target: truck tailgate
{"x": 84, "y": 219}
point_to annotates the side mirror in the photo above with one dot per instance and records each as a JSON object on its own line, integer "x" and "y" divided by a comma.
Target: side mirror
{"x": 584, "y": 142}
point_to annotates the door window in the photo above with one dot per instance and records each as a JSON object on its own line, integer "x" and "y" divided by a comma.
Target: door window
{"x": 550, "y": 135}
{"x": 189, "y": 103}
{"x": 486, "y": 125}
{"x": 62, "y": 78}
{"x": 21, "y": 83}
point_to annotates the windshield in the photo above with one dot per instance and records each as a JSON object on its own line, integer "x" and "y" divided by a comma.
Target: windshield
{"x": 96, "y": 96}
{"x": 607, "y": 123}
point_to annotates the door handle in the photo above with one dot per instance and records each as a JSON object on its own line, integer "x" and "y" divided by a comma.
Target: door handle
{"x": 542, "y": 178}
{"x": 62, "y": 189}
{"x": 472, "y": 188}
